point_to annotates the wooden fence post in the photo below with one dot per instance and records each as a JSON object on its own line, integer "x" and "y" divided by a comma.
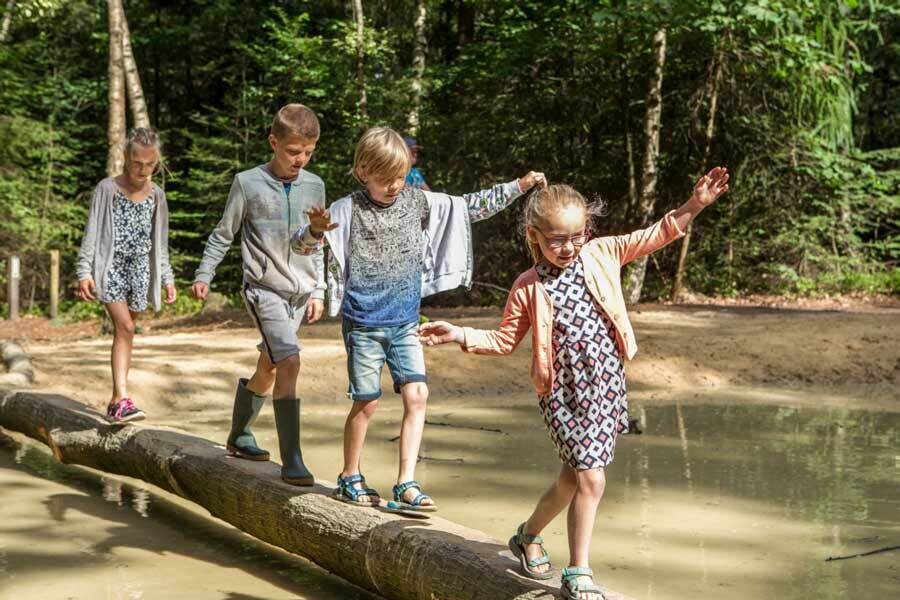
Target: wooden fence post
{"x": 14, "y": 274}
{"x": 54, "y": 284}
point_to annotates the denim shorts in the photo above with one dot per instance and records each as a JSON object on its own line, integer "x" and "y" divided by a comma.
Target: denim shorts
{"x": 368, "y": 348}
{"x": 277, "y": 320}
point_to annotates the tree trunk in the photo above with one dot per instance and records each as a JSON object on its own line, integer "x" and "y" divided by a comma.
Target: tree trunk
{"x": 647, "y": 202}
{"x": 465, "y": 24}
{"x": 393, "y": 555}
{"x": 632, "y": 178}
{"x": 418, "y": 66}
{"x": 359, "y": 18}
{"x": 136, "y": 100}
{"x": 712, "y": 85}
{"x": 115, "y": 133}
{"x": 7, "y": 19}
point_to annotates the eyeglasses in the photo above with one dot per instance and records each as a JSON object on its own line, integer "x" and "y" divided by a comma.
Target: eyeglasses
{"x": 558, "y": 241}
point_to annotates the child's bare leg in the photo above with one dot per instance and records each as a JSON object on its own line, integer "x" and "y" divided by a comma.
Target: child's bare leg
{"x": 415, "y": 400}
{"x": 264, "y": 377}
{"x": 123, "y": 342}
{"x": 590, "y": 484}
{"x": 355, "y": 428}
{"x": 555, "y": 499}
{"x": 286, "y": 372}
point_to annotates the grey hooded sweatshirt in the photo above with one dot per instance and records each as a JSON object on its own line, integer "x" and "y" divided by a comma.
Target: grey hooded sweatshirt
{"x": 97, "y": 247}
{"x": 266, "y": 216}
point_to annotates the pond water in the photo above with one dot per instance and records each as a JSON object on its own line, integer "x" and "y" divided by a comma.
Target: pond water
{"x": 727, "y": 501}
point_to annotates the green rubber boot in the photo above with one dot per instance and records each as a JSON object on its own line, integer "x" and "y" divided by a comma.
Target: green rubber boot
{"x": 241, "y": 442}
{"x": 287, "y": 421}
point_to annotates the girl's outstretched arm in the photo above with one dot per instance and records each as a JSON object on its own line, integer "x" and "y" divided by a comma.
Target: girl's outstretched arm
{"x": 646, "y": 241}
{"x": 503, "y": 340}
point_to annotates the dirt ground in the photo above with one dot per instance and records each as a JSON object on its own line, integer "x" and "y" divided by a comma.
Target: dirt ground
{"x": 840, "y": 351}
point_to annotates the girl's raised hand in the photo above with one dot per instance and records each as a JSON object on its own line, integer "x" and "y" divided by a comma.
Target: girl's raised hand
{"x": 440, "y": 332}
{"x": 319, "y": 221}
{"x": 711, "y": 186}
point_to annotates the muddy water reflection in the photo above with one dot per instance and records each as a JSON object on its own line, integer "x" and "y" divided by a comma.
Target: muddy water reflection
{"x": 70, "y": 533}
{"x": 731, "y": 501}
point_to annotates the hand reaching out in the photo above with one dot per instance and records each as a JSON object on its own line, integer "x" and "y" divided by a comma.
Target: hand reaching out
{"x": 440, "y": 332}
{"x": 319, "y": 221}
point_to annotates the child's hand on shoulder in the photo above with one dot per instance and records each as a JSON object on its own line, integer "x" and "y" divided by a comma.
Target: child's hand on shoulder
{"x": 440, "y": 332}
{"x": 711, "y": 186}
{"x": 319, "y": 221}
{"x": 531, "y": 179}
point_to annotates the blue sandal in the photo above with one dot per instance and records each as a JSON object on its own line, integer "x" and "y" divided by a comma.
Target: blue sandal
{"x": 517, "y": 547}
{"x": 345, "y": 491}
{"x": 572, "y": 590}
{"x": 416, "y": 504}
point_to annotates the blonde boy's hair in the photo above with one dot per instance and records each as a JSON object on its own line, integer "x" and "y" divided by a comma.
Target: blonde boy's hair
{"x": 545, "y": 202}
{"x": 382, "y": 154}
{"x": 295, "y": 120}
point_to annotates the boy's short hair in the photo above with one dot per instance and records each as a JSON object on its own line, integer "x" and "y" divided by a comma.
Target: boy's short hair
{"x": 382, "y": 153}
{"x": 295, "y": 120}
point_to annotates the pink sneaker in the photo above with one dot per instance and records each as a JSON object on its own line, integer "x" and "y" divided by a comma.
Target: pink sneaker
{"x": 123, "y": 411}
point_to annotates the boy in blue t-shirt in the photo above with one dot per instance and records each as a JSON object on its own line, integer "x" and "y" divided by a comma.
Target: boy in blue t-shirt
{"x": 394, "y": 244}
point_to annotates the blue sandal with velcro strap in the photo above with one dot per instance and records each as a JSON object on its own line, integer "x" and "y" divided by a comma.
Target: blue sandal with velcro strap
{"x": 416, "y": 504}
{"x": 572, "y": 590}
{"x": 517, "y": 547}
{"x": 345, "y": 491}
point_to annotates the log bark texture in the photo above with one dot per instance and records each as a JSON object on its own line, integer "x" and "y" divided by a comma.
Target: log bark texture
{"x": 387, "y": 553}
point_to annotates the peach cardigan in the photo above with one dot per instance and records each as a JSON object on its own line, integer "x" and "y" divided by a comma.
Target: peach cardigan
{"x": 529, "y": 305}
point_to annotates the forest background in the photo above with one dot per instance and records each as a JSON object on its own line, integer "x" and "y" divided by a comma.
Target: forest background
{"x": 629, "y": 100}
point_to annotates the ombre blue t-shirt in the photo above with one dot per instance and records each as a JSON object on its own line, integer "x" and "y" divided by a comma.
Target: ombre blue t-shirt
{"x": 384, "y": 279}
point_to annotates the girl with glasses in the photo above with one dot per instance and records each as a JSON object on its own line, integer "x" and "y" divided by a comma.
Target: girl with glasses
{"x": 572, "y": 301}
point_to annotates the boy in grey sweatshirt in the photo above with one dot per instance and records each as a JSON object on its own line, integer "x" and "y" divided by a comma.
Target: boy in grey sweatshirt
{"x": 280, "y": 288}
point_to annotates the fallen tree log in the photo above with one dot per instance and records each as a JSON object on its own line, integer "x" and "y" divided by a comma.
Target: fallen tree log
{"x": 387, "y": 553}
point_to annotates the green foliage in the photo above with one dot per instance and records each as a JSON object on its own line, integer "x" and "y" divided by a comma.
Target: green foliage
{"x": 78, "y": 310}
{"x": 807, "y": 122}
{"x": 184, "y": 304}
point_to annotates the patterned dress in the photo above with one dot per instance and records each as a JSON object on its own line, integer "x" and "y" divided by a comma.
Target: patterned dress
{"x": 129, "y": 277}
{"x": 587, "y": 407}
